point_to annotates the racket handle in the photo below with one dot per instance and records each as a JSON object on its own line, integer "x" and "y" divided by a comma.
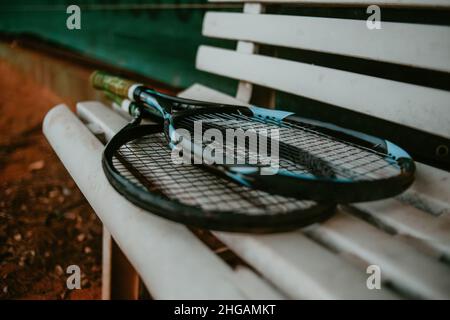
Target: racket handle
{"x": 131, "y": 107}
{"x": 113, "y": 97}
{"x": 118, "y": 86}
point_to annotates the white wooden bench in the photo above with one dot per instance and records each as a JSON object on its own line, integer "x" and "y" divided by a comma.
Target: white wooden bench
{"x": 407, "y": 237}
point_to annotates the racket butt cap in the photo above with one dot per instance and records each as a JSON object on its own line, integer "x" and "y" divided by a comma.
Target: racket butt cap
{"x": 132, "y": 89}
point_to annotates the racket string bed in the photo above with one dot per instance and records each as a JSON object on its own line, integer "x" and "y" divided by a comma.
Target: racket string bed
{"x": 147, "y": 163}
{"x": 243, "y": 154}
{"x": 346, "y": 159}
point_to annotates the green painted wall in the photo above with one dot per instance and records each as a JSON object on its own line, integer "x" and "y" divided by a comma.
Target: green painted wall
{"x": 160, "y": 43}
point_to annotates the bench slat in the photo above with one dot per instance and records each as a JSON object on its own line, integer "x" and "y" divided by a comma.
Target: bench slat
{"x": 302, "y": 268}
{"x": 387, "y": 3}
{"x": 410, "y": 221}
{"x": 93, "y": 112}
{"x": 430, "y": 191}
{"x": 254, "y": 286}
{"x": 403, "y": 103}
{"x": 425, "y": 203}
{"x": 390, "y": 44}
{"x": 407, "y": 268}
{"x": 201, "y": 92}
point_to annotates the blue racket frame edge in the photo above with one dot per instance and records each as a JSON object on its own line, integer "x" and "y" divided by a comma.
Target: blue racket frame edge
{"x": 287, "y": 183}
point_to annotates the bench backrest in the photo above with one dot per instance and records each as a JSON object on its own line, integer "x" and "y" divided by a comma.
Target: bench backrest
{"x": 411, "y": 90}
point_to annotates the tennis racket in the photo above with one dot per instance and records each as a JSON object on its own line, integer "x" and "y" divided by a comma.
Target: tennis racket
{"x": 317, "y": 161}
{"x": 137, "y": 163}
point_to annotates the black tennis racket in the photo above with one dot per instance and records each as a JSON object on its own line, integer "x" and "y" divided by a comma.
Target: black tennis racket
{"x": 316, "y": 160}
{"x": 138, "y": 164}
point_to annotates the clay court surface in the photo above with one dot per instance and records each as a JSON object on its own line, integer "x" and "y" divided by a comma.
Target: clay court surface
{"x": 45, "y": 223}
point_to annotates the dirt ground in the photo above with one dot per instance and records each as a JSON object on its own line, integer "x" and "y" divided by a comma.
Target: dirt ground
{"x": 45, "y": 223}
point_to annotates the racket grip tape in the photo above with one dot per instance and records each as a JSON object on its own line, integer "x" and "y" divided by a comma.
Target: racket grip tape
{"x": 104, "y": 81}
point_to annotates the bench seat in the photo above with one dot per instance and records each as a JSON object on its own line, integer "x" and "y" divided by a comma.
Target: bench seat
{"x": 409, "y": 244}
{"x": 404, "y": 236}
